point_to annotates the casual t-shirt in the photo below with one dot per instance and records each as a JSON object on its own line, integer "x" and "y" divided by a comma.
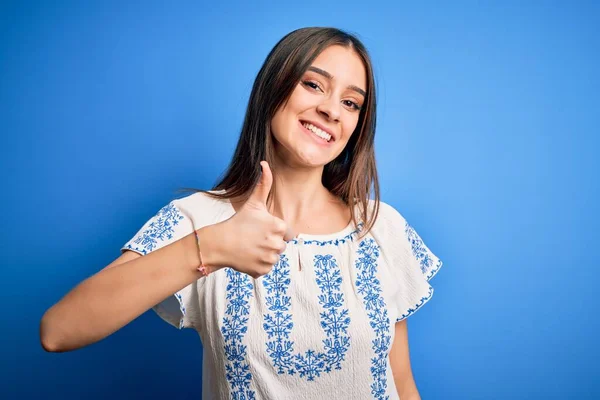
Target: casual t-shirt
{"x": 320, "y": 325}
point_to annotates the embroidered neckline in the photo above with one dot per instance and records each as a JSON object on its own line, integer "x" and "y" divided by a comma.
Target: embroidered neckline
{"x": 343, "y": 236}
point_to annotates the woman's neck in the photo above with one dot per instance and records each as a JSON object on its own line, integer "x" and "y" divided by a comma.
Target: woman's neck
{"x": 298, "y": 191}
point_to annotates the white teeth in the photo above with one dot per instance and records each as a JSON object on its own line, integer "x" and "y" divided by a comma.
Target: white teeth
{"x": 323, "y": 135}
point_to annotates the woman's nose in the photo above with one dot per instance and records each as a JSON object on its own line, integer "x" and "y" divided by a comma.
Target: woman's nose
{"x": 330, "y": 108}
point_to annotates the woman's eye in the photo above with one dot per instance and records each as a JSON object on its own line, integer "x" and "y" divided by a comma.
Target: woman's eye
{"x": 311, "y": 85}
{"x": 352, "y": 105}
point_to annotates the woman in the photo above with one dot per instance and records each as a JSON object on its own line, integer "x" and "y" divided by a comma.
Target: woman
{"x": 297, "y": 283}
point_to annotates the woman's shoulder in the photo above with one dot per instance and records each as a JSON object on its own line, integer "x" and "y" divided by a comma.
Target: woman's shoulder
{"x": 201, "y": 198}
{"x": 388, "y": 211}
{"x": 203, "y": 207}
{"x": 387, "y": 217}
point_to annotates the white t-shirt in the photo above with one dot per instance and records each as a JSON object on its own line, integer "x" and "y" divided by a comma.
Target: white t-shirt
{"x": 320, "y": 325}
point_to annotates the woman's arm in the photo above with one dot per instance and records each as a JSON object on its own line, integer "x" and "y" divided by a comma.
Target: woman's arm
{"x": 400, "y": 363}
{"x": 125, "y": 289}
{"x": 249, "y": 242}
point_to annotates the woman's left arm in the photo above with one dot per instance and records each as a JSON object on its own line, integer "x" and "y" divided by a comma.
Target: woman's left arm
{"x": 400, "y": 363}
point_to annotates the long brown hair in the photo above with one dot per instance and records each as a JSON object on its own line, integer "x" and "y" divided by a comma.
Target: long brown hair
{"x": 352, "y": 176}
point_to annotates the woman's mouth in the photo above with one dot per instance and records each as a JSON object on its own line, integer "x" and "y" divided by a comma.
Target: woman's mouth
{"x": 318, "y": 133}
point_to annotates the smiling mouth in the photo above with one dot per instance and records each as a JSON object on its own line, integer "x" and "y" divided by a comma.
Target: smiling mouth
{"x": 318, "y": 132}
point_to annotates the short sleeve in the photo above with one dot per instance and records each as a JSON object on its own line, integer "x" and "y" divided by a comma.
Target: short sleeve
{"x": 168, "y": 225}
{"x": 412, "y": 263}
{"x": 427, "y": 262}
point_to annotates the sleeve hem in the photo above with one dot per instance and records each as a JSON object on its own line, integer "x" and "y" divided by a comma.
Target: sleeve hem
{"x": 166, "y": 312}
{"x": 413, "y": 309}
{"x": 433, "y": 272}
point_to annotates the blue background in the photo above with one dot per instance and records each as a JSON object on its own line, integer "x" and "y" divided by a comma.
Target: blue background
{"x": 487, "y": 143}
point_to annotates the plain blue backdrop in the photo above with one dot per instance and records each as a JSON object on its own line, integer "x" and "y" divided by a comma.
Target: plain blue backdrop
{"x": 487, "y": 143}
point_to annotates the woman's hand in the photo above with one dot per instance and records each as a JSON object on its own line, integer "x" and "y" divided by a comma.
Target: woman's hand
{"x": 253, "y": 238}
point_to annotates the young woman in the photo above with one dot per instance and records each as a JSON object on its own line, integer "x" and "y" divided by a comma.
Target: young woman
{"x": 298, "y": 283}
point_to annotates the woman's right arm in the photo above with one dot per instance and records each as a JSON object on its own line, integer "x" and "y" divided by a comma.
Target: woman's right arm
{"x": 249, "y": 242}
{"x": 125, "y": 289}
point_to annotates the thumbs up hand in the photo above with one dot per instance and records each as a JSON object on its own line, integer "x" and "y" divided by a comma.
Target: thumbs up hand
{"x": 256, "y": 237}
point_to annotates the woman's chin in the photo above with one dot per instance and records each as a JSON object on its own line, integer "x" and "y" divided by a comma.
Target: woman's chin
{"x": 312, "y": 160}
{"x": 306, "y": 157}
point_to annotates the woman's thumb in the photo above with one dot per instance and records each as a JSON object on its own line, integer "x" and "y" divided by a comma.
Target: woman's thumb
{"x": 261, "y": 191}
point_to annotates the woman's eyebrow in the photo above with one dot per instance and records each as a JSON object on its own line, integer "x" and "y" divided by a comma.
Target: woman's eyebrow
{"x": 329, "y": 76}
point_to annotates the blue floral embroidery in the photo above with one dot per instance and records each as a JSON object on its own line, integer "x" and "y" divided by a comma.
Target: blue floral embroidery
{"x": 421, "y": 253}
{"x": 334, "y": 320}
{"x": 161, "y": 227}
{"x": 426, "y": 260}
{"x": 237, "y": 370}
{"x": 369, "y": 286}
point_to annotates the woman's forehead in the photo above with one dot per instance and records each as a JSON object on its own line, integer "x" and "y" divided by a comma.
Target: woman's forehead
{"x": 341, "y": 64}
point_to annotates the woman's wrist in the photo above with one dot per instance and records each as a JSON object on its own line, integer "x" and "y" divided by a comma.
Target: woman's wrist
{"x": 211, "y": 254}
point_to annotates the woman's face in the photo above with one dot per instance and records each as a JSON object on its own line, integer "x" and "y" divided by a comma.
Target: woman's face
{"x": 314, "y": 126}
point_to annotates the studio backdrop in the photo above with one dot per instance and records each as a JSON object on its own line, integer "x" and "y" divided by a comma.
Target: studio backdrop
{"x": 487, "y": 143}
